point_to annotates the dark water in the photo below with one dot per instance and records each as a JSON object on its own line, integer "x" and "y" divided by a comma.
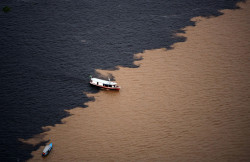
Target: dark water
{"x": 49, "y": 48}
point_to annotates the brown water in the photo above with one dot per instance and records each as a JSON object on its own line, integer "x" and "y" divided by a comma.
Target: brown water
{"x": 191, "y": 103}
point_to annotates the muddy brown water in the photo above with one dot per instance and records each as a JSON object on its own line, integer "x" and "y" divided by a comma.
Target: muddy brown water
{"x": 191, "y": 103}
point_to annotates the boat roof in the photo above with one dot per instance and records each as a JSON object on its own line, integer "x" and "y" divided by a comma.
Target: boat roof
{"x": 103, "y": 81}
{"x": 46, "y": 148}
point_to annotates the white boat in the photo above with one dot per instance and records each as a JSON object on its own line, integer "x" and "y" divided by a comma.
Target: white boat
{"x": 47, "y": 150}
{"x": 107, "y": 84}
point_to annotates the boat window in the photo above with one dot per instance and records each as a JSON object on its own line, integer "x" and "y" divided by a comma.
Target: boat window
{"x": 97, "y": 83}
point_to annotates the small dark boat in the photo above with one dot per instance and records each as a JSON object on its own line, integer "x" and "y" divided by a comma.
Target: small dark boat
{"x": 47, "y": 150}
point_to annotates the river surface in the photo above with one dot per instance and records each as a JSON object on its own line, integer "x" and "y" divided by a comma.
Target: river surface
{"x": 49, "y": 49}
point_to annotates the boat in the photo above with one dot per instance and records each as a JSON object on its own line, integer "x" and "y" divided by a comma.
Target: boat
{"x": 47, "y": 150}
{"x": 107, "y": 84}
